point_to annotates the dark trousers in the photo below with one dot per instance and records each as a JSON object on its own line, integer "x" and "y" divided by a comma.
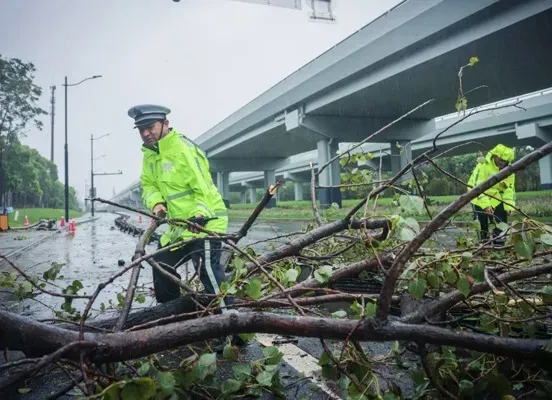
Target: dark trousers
{"x": 204, "y": 254}
{"x": 499, "y": 215}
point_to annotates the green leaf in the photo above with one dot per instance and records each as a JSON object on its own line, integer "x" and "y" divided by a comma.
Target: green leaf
{"x": 246, "y": 337}
{"x": 433, "y": 279}
{"x": 355, "y": 308}
{"x": 230, "y": 386}
{"x": 407, "y": 229}
{"x": 546, "y": 293}
{"x": 546, "y": 238}
{"x": 144, "y": 369}
{"x": 478, "y": 273}
{"x": 370, "y": 309}
{"x": 473, "y": 61}
{"x": 339, "y": 314}
{"x": 272, "y": 355}
{"x": 77, "y": 285}
{"x": 166, "y": 382}
{"x": 324, "y": 359}
{"x": 230, "y": 352}
{"x": 450, "y": 275}
{"x": 323, "y": 273}
{"x": 206, "y": 365}
{"x": 265, "y": 378}
{"x": 463, "y": 285}
{"x": 140, "y": 298}
{"x": 466, "y": 388}
{"x": 254, "y": 288}
{"x": 292, "y": 274}
{"x": 242, "y": 372}
{"x": 417, "y": 288}
{"x": 344, "y": 382}
{"x": 138, "y": 388}
{"x": 411, "y": 204}
{"x": 523, "y": 247}
{"x": 24, "y": 390}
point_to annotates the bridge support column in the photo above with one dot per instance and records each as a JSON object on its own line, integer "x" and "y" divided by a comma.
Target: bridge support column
{"x": 298, "y": 189}
{"x": 252, "y": 194}
{"x": 269, "y": 180}
{"x": 244, "y": 197}
{"x": 223, "y": 185}
{"x": 331, "y": 176}
{"x": 401, "y": 155}
{"x": 545, "y": 166}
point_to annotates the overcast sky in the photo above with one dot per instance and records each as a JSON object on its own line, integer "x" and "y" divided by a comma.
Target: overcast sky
{"x": 204, "y": 59}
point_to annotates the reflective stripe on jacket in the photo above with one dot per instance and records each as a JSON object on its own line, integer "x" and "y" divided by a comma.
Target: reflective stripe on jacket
{"x": 176, "y": 173}
{"x": 504, "y": 190}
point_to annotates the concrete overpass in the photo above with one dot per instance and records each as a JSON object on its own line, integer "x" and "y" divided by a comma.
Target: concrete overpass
{"x": 510, "y": 126}
{"x": 408, "y": 55}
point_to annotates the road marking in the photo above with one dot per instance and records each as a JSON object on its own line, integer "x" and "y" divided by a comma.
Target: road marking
{"x": 302, "y": 362}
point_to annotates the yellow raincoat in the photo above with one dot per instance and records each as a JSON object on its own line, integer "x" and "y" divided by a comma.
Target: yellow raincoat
{"x": 504, "y": 190}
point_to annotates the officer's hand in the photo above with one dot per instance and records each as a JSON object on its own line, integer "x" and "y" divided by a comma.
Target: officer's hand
{"x": 193, "y": 228}
{"x": 159, "y": 207}
{"x": 489, "y": 210}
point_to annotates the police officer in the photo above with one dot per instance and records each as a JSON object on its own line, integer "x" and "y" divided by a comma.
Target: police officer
{"x": 176, "y": 180}
{"x": 495, "y": 208}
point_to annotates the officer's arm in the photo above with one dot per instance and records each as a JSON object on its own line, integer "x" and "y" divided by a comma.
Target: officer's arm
{"x": 151, "y": 196}
{"x": 197, "y": 181}
{"x": 479, "y": 175}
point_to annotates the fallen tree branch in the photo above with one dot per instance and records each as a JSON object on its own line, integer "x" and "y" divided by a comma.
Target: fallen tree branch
{"x": 25, "y": 334}
{"x": 297, "y": 244}
{"x": 390, "y": 281}
{"x": 46, "y": 360}
{"x": 133, "y": 282}
{"x": 449, "y": 300}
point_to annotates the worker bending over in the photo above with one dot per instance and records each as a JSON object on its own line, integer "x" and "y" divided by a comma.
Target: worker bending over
{"x": 497, "y": 207}
{"x": 176, "y": 180}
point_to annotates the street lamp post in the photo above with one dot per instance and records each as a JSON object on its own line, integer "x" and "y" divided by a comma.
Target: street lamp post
{"x": 66, "y": 85}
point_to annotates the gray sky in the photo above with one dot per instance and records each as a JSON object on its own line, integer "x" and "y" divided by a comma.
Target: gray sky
{"x": 204, "y": 59}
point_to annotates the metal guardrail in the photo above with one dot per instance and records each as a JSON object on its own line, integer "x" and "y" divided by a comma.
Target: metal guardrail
{"x": 497, "y": 104}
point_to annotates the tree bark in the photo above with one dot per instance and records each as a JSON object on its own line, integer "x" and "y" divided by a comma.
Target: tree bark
{"x": 37, "y": 339}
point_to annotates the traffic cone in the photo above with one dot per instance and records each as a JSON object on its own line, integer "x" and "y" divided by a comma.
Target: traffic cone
{"x": 72, "y": 226}
{"x": 62, "y": 222}
{"x": 140, "y": 218}
{"x": 26, "y": 222}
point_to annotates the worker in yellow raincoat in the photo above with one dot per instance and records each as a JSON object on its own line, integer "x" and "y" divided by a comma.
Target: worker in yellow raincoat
{"x": 176, "y": 180}
{"x": 499, "y": 200}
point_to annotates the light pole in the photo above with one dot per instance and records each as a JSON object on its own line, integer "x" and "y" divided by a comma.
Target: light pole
{"x": 92, "y": 194}
{"x": 66, "y": 85}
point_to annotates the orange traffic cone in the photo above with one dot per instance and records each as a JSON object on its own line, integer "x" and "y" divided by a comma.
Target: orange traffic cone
{"x": 62, "y": 222}
{"x": 72, "y": 226}
{"x": 140, "y": 218}
{"x": 26, "y": 222}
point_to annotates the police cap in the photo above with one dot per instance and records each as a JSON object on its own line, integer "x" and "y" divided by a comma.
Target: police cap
{"x": 145, "y": 114}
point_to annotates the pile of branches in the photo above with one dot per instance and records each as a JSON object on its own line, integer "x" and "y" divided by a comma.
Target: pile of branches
{"x": 490, "y": 339}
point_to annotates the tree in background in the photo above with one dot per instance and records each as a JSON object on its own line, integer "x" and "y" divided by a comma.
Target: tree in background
{"x": 31, "y": 179}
